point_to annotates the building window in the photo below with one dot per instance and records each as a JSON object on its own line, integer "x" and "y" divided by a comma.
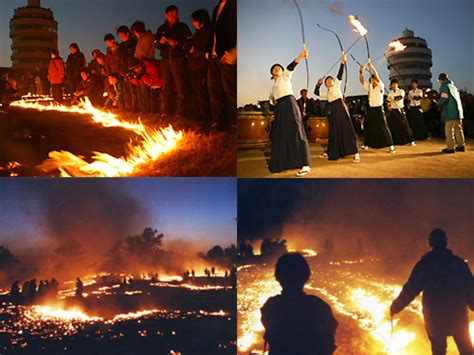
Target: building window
{"x": 34, "y": 27}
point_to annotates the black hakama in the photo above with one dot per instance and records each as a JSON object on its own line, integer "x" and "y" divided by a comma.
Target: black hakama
{"x": 342, "y": 136}
{"x": 376, "y": 131}
{"x": 290, "y": 149}
{"x": 417, "y": 123}
{"x": 401, "y": 131}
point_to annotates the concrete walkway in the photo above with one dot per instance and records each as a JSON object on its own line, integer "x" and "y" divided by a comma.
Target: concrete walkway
{"x": 423, "y": 161}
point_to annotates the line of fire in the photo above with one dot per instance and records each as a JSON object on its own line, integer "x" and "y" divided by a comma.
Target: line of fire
{"x": 355, "y": 245}
{"x": 129, "y": 99}
{"x": 81, "y": 273}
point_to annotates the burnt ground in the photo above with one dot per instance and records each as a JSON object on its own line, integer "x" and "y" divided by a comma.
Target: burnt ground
{"x": 182, "y": 324}
{"x": 27, "y": 136}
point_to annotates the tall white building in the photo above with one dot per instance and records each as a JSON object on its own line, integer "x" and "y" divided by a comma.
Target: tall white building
{"x": 33, "y": 31}
{"x": 412, "y": 63}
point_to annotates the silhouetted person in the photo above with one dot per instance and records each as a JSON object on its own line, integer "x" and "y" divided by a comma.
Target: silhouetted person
{"x": 193, "y": 273}
{"x": 15, "y": 292}
{"x": 448, "y": 291}
{"x": 25, "y": 290}
{"x": 79, "y": 288}
{"x": 213, "y": 271}
{"x": 296, "y": 323}
{"x": 32, "y": 290}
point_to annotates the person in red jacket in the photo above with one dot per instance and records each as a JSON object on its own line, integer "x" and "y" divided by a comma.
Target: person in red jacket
{"x": 146, "y": 73}
{"x": 56, "y": 75}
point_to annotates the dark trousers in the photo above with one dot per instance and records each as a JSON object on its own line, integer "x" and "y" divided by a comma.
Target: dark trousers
{"x": 57, "y": 92}
{"x": 173, "y": 74}
{"x": 222, "y": 86}
{"x": 462, "y": 339}
{"x": 130, "y": 95}
{"x": 200, "y": 95}
{"x": 144, "y": 98}
{"x": 155, "y": 100}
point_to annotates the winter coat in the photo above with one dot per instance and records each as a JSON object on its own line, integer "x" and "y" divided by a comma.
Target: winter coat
{"x": 197, "y": 59}
{"x": 450, "y": 102}
{"x": 179, "y": 32}
{"x": 127, "y": 53}
{"x": 74, "y": 64}
{"x": 56, "y": 71}
{"x": 145, "y": 46}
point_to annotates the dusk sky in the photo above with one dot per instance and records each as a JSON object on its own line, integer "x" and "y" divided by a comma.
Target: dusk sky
{"x": 191, "y": 209}
{"x": 87, "y": 21}
{"x": 269, "y": 32}
{"x": 395, "y": 213}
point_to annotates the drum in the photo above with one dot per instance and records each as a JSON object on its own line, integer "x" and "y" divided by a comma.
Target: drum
{"x": 253, "y": 129}
{"x": 318, "y": 129}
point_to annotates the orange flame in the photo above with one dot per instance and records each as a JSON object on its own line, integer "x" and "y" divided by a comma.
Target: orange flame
{"x": 154, "y": 144}
{"x": 357, "y": 25}
{"x": 397, "y": 46}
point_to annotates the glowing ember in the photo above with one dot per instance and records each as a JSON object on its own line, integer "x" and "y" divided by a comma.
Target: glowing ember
{"x": 397, "y": 46}
{"x": 359, "y": 297}
{"x": 154, "y": 143}
{"x": 357, "y": 25}
{"x": 471, "y": 331}
{"x": 45, "y": 313}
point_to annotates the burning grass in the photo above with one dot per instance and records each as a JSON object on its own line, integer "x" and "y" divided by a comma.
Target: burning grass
{"x": 140, "y": 316}
{"x": 157, "y": 149}
{"x": 359, "y": 299}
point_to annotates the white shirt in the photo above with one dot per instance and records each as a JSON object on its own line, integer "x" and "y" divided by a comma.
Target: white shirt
{"x": 396, "y": 104}
{"x": 375, "y": 95}
{"x": 334, "y": 93}
{"x": 411, "y": 96}
{"x": 282, "y": 86}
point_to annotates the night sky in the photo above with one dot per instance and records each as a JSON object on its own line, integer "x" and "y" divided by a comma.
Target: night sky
{"x": 395, "y": 213}
{"x": 87, "y": 21}
{"x": 269, "y": 32}
{"x": 194, "y": 210}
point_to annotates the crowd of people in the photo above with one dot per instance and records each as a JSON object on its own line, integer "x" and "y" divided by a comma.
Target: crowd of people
{"x": 194, "y": 76}
{"x": 31, "y": 291}
{"x": 386, "y": 123}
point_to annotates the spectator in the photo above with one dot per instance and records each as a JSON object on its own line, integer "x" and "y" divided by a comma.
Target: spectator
{"x": 145, "y": 50}
{"x": 198, "y": 64}
{"x": 74, "y": 64}
{"x": 222, "y": 66}
{"x": 91, "y": 86}
{"x": 127, "y": 51}
{"x": 112, "y": 58}
{"x": 94, "y": 67}
{"x": 171, "y": 38}
{"x": 115, "y": 92}
{"x": 146, "y": 73}
{"x": 56, "y": 75}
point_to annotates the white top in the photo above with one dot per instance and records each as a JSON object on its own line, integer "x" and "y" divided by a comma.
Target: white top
{"x": 334, "y": 93}
{"x": 375, "y": 95}
{"x": 396, "y": 104}
{"x": 411, "y": 96}
{"x": 282, "y": 86}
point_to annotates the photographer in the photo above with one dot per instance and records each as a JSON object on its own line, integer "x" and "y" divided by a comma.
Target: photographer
{"x": 146, "y": 73}
{"x": 91, "y": 86}
{"x": 115, "y": 91}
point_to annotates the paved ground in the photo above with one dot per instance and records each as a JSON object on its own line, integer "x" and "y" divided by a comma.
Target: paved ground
{"x": 423, "y": 161}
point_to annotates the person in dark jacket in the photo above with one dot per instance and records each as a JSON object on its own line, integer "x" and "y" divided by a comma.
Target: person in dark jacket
{"x": 115, "y": 91}
{"x": 171, "y": 38}
{"x": 198, "y": 64}
{"x": 74, "y": 64}
{"x": 145, "y": 50}
{"x": 56, "y": 76}
{"x": 112, "y": 58}
{"x": 94, "y": 66}
{"x": 448, "y": 292}
{"x": 306, "y": 105}
{"x": 91, "y": 86}
{"x": 146, "y": 73}
{"x": 222, "y": 66}
{"x": 127, "y": 53}
{"x": 297, "y": 323}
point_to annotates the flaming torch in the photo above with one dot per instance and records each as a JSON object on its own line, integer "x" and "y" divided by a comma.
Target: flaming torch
{"x": 358, "y": 27}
